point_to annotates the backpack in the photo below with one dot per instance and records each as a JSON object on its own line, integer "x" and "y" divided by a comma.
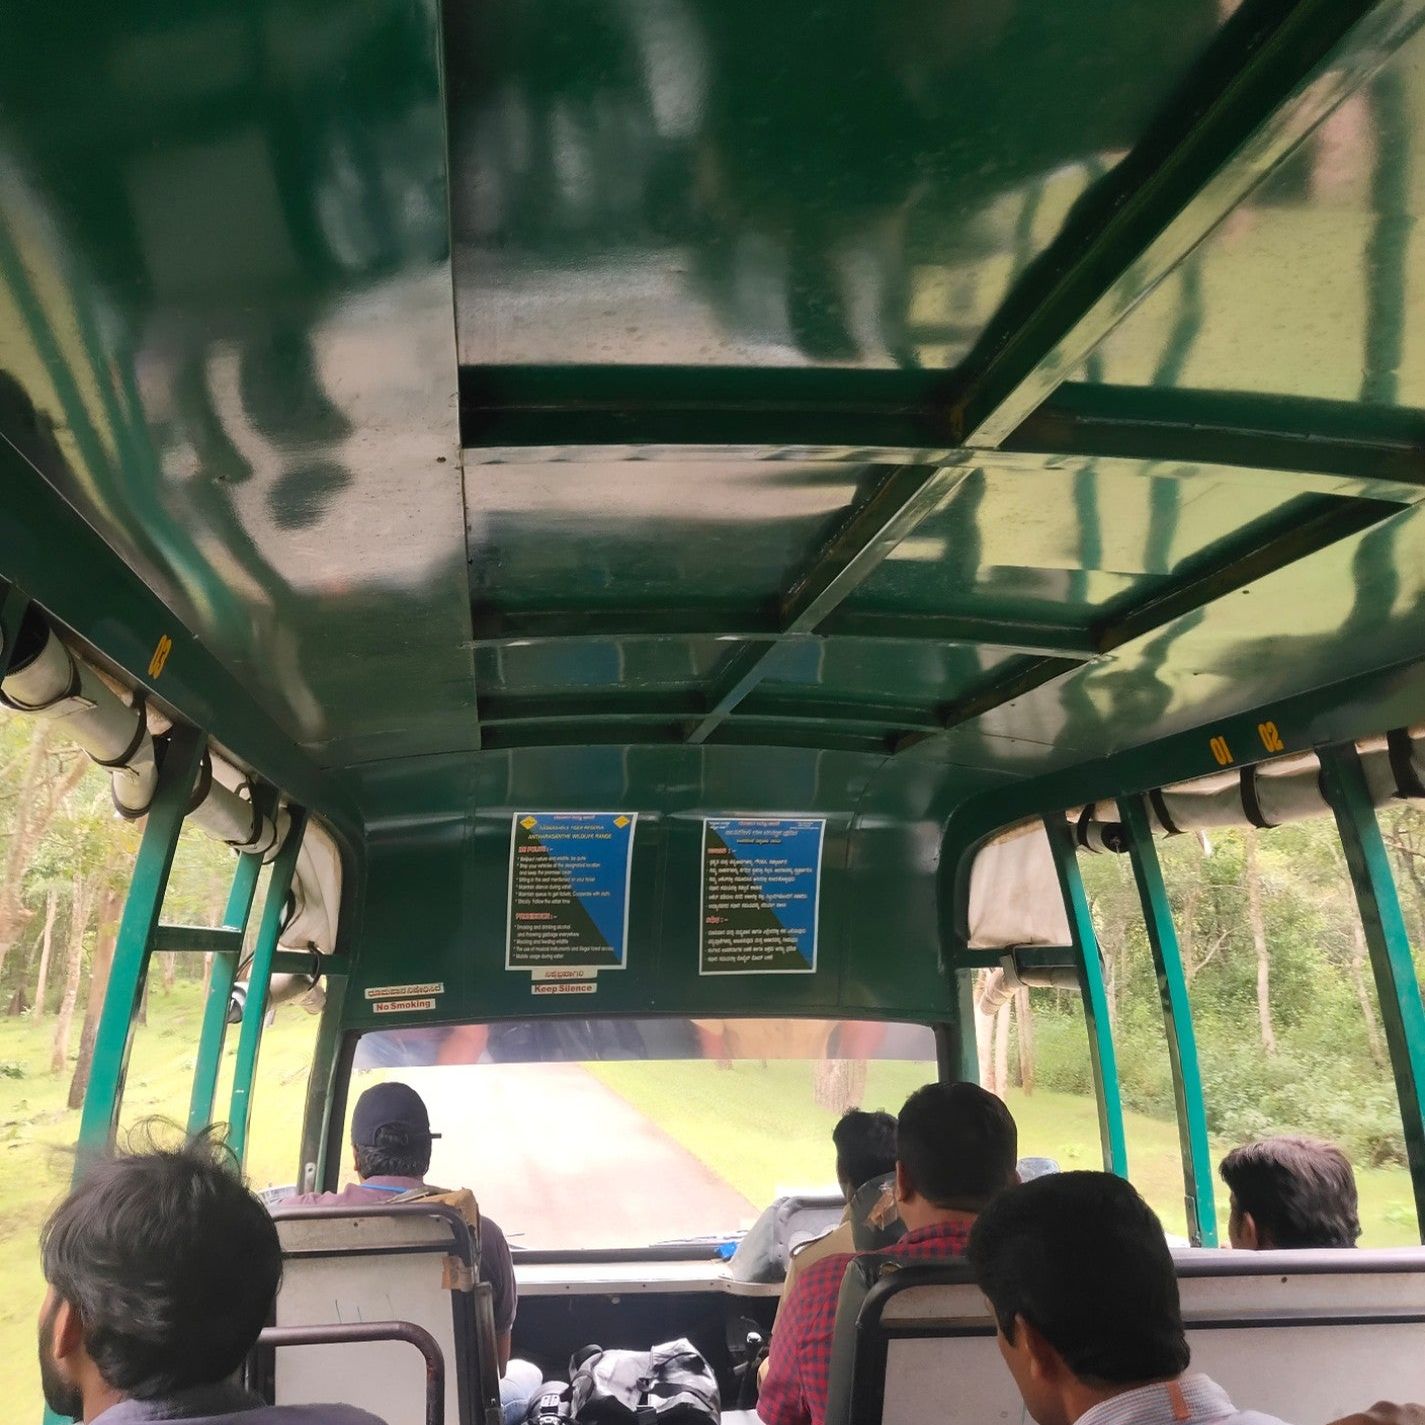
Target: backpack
{"x": 670, "y": 1385}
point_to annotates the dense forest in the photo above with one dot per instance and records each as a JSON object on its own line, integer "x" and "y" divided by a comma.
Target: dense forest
{"x": 65, "y": 860}
{"x": 1288, "y": 1026}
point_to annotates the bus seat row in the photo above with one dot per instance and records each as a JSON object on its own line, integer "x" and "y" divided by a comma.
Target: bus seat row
{"x": 413, "y": 1263}
{"x": 1308, "y": 1336}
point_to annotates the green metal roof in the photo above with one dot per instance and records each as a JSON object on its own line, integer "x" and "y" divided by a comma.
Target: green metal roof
{"x": 958, "y": 391}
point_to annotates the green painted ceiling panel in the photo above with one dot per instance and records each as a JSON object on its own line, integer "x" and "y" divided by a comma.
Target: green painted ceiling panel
{"x": 647, "y": 533}
{"x": 634, "y": 664}
{"x": 729, "y": 183}
{"x": 1315, "y": 287}
{"x": 225, "y": 309}
{"x": 857, "y": 670}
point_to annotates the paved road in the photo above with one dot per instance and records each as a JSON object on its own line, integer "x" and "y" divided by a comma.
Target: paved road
{"x": 558, "y": 1160}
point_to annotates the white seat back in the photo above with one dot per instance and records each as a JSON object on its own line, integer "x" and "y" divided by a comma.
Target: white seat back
{"x": 1306, "y": 1336}
{"x": 407, "y": 1263}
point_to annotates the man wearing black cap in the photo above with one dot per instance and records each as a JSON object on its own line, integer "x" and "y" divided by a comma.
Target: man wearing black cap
{"x": 391, "y": 1147}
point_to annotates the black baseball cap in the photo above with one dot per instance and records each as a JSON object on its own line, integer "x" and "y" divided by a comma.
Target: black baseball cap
{"x": 389, "y": 1105}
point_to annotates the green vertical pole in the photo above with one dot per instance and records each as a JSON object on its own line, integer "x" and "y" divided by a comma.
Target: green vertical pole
{"x": 259, "y": 975}
{"x": 959, "y": 1056}
{"x": 1100, "y": 1029}
{"x": 1397, "y": 987}
{"x": 14, "y": 605}
{"x": 220, "y": 988}
{"x": 142, "y": 906}
{"x": 316, "y": 1120}
{"x": 1177, "y": 1020}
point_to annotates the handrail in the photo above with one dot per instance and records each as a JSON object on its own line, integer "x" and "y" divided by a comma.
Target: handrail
{"x": 357, "y": 1332}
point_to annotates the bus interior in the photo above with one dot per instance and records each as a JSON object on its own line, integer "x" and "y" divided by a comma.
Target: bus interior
{"x": 672, "y": 530}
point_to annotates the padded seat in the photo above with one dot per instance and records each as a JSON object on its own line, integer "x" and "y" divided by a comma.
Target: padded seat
{"x": 409, "y": 1262}
{"x": 1306, "y": 1336}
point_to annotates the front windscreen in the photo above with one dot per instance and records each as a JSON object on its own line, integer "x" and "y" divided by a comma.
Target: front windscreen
{"x": 585, "y": 1133}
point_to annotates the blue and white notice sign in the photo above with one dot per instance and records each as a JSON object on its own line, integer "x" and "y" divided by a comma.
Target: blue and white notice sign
{"x": 569, "y": 888}
{"x": 761, "y": 891}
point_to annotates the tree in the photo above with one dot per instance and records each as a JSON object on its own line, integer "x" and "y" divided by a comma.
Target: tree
{"x": 46, "y": 945}
{"x": 80, "y": 908}
{"x": 1259, "y": 941}
{"x": 45, "y": 784}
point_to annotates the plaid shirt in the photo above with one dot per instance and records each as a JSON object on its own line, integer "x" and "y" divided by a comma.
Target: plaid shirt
{"x": 795, "y": 1390}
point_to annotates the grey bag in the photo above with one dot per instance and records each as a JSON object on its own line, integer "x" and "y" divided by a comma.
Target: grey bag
{"x": 672, "y": 1385}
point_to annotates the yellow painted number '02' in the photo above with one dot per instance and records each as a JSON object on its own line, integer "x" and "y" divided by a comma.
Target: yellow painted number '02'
{"x": 160, "y": 656}
{"x": 1221, "y": 752}
{"x": 1271, "y": 738}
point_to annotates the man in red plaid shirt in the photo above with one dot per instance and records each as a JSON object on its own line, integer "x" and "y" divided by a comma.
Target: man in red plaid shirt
{"x": 956, "y": 1148}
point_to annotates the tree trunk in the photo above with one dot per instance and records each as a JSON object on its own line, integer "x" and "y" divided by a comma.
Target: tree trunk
{"x": 1363, "y": 995}
{"x": 46, "y": 945}
{"x": 23, "y": 837}
{"x": 1259, "y": 941}
{"x": 79, "y": 907}
{"x": 1001, "y": 1083}
{"x": 1024, "y": 1019}
{"x": 98, "y": 987}
{"x": 984, "y": 1034}
{"x": 168, "y": 968}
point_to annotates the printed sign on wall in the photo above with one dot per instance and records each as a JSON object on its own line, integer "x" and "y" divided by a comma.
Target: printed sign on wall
{"x": 569, "y": 888}
{"x": 761, "y": 888}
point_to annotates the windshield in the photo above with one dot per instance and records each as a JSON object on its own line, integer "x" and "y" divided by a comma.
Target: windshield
{"x": 585, "y": 1133}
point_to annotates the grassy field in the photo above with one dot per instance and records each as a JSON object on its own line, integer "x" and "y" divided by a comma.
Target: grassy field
{"x": 757, "y": 1128}
{"x": 744, "y": 1132}
{"x": 37, "y": 1133}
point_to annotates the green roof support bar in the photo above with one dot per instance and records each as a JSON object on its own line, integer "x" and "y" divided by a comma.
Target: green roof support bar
{"x": 1102, "y": 1058}
{"x": 220, "y": 988}
{"x": 1396, "y": 983}
{"x": 1177, "y": 1020}
{"x": 114, "y": 1037}
{"x": 255, "y": 1009}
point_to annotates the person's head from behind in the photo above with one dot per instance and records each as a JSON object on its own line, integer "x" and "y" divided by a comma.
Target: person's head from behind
{"x": 956, "y": 1148}
{"x": 1291, "y": 1192}
{"x": 161, "y": 1269}
{"x": 1081, "y": 1282}
{"x": 865, "y": 1148}
{"x": 390, "y": 1133}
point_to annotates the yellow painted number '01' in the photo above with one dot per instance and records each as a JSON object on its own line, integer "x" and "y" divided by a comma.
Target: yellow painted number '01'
{"x": 160, "y": 656}
{"x": 1221, "y": 752}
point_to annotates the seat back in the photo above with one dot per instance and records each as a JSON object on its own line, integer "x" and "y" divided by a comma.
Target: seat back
{"x": 1306, "y": 1336}
{"x": 414, "y": 1263}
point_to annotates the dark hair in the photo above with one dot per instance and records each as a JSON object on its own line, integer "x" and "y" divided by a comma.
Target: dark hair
{"x": 1083, "y": 1259}
{"x": 1300, "y": 1191}
{"x": 399, "y": 1152}
{"x": 956, "y": 1144}
{"x": 865, "y": 1146}
{"x": 171, "y": 1263}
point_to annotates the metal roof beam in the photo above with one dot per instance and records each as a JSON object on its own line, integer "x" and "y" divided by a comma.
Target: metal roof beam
{"x": 1375, "y": 451}
{"x": 1276, "y": 70}
{"x": 526, "y": 628}
{"x": 1197, "y": 589}
{"x": 907, "y": 495}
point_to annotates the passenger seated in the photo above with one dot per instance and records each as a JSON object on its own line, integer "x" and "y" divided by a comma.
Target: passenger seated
{"x": 955, "y": 1151}
{"x": 161, "y": 1269}
{"x": 865, "y": 1149}
{"x": 391, "y": 1148}
{"x": 1290, "y": 1192}
{"x": 1085, "y": 1297}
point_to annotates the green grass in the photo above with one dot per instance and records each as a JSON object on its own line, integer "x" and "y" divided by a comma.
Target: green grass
{"x": 37, "y": 1133}
{"x": 757, "y": 1128}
